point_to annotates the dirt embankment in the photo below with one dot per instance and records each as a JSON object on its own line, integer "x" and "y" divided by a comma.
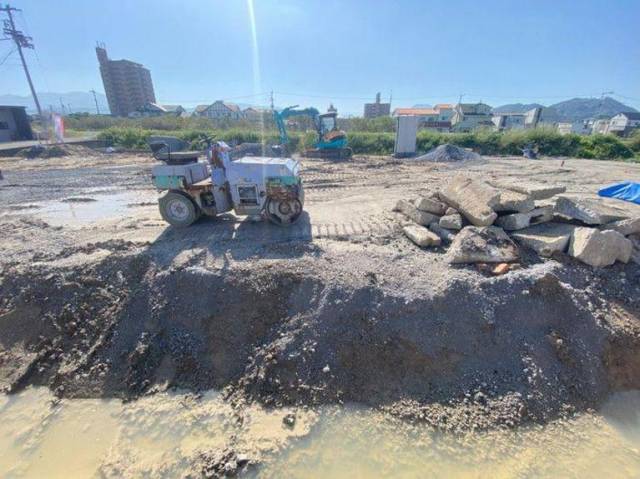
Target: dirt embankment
{"x": 525, "y": 346}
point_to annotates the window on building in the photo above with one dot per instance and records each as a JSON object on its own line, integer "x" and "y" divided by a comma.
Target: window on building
{"x": 4, "y": 125}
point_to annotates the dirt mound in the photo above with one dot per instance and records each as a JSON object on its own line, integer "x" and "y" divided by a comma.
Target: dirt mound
{"x": 528, "y": 343}
{"x": 44, "y": 151}
{"x": 448, "y": 153}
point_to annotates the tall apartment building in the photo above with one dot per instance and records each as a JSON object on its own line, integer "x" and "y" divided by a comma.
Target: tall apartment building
{"x": 374, "y": 110}
{"x": 127, "y": 84}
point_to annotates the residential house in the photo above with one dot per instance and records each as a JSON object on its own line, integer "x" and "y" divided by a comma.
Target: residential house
{"x": 428, "y": 118}
{"x": 219, "y": 110}
{"x": 516, "y": 121}
{"x": 624, "y": 123}
{"x": 253, "y": 114}
{"x": 577, "y": 127}
{"x": 155, "y": 109}
{"x": 600, "y": 126}
{"x": 469, "y": 116}
{"x": 445, "y": 111}
{"x": 14, "y": 124}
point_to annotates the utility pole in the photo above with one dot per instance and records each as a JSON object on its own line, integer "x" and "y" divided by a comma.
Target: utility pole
{"x": 62, "y": 105}
{"x": 22, "y": 41}
{"x": 271, "y": 97}
{"x": 96, "y": 100}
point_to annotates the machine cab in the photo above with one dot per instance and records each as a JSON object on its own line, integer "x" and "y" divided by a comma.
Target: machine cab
{"x": 328, "y": 122}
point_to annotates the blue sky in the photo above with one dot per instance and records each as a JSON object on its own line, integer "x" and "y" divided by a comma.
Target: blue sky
{"x": 316, "y": 51}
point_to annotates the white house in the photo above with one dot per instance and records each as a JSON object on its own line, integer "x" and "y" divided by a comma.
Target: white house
{"x": 219, "y": 110}
{"x": 469, "y": 116}
{"x": 577, "y": 127}
{"x": 516, "y": 121}
{"x": 624, "y": 123}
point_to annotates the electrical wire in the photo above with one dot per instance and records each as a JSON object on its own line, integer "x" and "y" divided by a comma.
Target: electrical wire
{"x": 13, "y": 50}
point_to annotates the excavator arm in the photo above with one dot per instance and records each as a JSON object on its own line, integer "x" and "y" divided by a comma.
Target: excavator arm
{"x": 281, "y": 116}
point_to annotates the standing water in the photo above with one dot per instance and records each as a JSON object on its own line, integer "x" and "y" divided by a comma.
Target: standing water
{"x": 159, "y": 436}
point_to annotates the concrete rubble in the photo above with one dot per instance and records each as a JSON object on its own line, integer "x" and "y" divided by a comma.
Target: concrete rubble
{"x": 545, "y": 239}
{"x": 588, "y": 210}
{"x": 414, "y": 214}
{"x": 519, "y": 221}
{"x": 474, "y": 199}
{"x": 452, "y": 222}
{"x": 599, "y": 248}
{"x": 536, "y": 191}
{"x": 487, "y": 244}
{"x": 421, "y": 235}
{"x": 586, "y": 228}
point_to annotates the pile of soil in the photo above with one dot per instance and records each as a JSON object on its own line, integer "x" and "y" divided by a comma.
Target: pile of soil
{"x": 527, "y": 346}
{"x": 44, "y": 151}
{"x": 448, "y": 153}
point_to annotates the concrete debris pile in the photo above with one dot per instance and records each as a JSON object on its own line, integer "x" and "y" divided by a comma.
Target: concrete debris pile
{"x": 484, "y": 222}
{"x": 448, "y": 153}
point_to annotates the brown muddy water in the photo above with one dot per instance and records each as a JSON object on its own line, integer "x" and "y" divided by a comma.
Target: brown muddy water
{"x": 159, "y": 436}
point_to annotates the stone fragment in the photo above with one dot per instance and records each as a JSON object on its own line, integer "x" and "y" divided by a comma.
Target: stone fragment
{"x": 474, "y": 199}
{"x": 518, "y": 221}
{"x": 588, "y": 210}
{"x": 502, "y": 268}
{"x": 421, "y": 236}
{"x": 537, "y": 191}
{"x": 514, "y": 201}
{"x": 450, "y": 211}
{"x": 488, "y": 244}
{"x": 452, "y": 222}
{"x": 414, "y": 214}
{"x": 625, "y": 227}
{"x": 431, "y": 205}
{"x": 599, "y": 248}
{"x": 545, "y": 239}
{"x": 445, "y": 235}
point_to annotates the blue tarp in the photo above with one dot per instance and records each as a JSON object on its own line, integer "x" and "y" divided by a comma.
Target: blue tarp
{"x": 627, "y": 191}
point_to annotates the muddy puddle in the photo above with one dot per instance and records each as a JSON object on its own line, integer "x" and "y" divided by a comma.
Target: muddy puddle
{"x": 162, "y": 435}
{"x": 84, "y": 209}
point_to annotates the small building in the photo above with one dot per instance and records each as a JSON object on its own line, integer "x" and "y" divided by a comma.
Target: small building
{"x": 576, "y": 127}
{"x": 219, "y": 110}
{"x": 14, "y": 124}
{"x": 624, "y": 123}
{"x": 516, "y": 121}
{"x": 374, "y": 110}
{"x": 600, "y": 126}
{"x": 155, "y": 109}
{"x": 445, "y": 111}
{"x": 253, "y": 114}
{"x": 470, "y": 116}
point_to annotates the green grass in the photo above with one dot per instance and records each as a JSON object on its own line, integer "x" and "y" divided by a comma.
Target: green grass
{"x": 548, "y": 141}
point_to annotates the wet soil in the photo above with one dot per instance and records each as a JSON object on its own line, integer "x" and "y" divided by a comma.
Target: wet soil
{"x": 340, "y": 308}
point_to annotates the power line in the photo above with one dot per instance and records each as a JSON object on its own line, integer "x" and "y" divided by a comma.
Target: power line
{"x": 21, "y": 41}
{"x": 7, "y": 56}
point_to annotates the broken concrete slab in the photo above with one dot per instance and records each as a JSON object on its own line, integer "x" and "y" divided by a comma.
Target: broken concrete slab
{"x": 514, "y": 201}
{"x": 537, "y": 191}
{"x": 599, "y": 248}
{"x": 431, "y": 205}
{"x": 624, "y": 227}
{"x": 474, "y": 199}
{"x": 445, "y": 235}
{"x": 588, "y": 210}
{"x": 421, "y": 235}
{"x": 545, "y": 239}
{"x": 414, "y": 214}
{"x": 488, "y": 244}
{"x": 451, "y": 222}
{"x": 519, "y": 221}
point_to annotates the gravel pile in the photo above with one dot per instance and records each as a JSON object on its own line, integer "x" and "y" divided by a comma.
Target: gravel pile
{"x": 448, "y": 153}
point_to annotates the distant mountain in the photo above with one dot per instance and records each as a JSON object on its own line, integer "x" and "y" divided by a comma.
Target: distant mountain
{"x": 576, "y": 109}
{"x": 74, "y": 102}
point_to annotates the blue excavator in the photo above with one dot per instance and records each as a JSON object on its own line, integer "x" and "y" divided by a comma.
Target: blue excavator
{"x": 331, "y": 142}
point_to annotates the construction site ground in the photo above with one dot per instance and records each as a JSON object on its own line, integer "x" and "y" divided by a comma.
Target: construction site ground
{"x": 99, "y": 298}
